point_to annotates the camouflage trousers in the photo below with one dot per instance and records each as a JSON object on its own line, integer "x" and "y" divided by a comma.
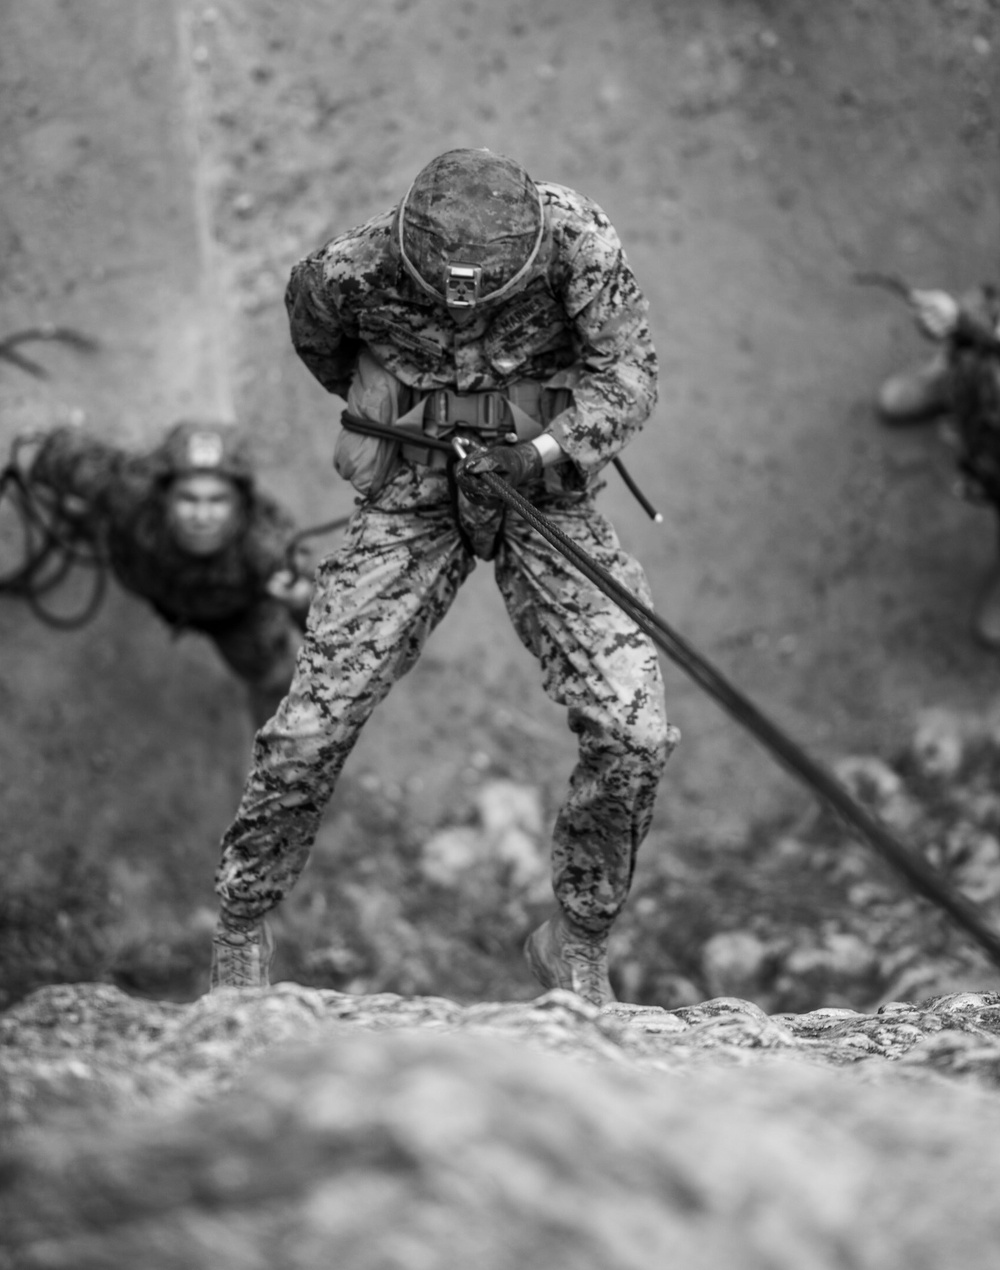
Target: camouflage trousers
{"x": 377, "y": 600}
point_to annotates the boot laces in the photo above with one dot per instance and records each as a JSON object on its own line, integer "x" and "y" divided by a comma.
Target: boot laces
{"x": 239, "y": 956}
{"x": 586, "y": 959}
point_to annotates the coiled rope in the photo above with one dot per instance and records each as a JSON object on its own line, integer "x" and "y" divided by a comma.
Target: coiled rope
{"x": 54, "y": 541}
{"x": 54, "y": 544}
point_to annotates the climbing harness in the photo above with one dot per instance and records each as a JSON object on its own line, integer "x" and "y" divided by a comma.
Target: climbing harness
{"x": 921, "y": 875}
{"x": 421, "y": 445}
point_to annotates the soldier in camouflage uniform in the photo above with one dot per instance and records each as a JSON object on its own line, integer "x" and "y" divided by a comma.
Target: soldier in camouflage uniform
{"x": 185, "y": 528}
{"x": 503, "y": 312}
{"x": 962, "y": 380}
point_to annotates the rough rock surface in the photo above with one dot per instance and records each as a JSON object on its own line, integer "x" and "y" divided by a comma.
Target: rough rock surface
{"x": 303, "y": 1128}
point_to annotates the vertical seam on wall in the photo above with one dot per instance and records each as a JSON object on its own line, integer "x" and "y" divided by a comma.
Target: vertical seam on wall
{"x": 211, "y": 291}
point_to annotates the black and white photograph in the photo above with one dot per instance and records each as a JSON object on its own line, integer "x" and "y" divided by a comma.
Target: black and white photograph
{"x": 499, "y": 635}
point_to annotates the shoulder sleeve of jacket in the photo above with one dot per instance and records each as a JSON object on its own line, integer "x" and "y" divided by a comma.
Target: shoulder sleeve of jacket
{"x": 616, "y": 383}
{"x": 319, "y": 300}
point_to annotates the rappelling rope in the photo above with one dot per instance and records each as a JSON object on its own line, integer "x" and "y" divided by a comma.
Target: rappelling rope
{"x": 921, "y": 875}
{"x": 355, "y": 423}
{"x": 917, "y": 871}
{"x": 54, "y": 544}
{"x": 52, "y": 538}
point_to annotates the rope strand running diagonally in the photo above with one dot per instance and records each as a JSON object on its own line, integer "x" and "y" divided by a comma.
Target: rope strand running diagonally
{"x": 915, "y": 868}
{"x": 921, "y": 875}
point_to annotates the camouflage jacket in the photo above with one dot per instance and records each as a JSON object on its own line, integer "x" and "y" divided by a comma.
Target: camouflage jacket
{"x": 124, "y": 512}
{"x": 580, "y": 322}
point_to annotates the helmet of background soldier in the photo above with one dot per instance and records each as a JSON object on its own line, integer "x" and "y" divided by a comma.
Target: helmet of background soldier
{"x": 470, "y": 228}
{"x": 194, "y": 447}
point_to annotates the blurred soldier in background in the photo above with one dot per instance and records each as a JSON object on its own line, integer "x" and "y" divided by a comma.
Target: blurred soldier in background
{"x": 186, "y": 528}
{"x": 503, "y": 313}
{"x": 962, "y": 380}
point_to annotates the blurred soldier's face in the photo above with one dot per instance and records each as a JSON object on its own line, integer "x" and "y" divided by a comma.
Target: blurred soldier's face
{"x": 203, "y": 511}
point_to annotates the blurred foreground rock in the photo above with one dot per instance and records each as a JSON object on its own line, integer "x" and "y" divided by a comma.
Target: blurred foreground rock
{"x": 302, "y": 1128}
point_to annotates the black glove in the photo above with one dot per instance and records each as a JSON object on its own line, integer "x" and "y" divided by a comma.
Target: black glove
{"x": 517, "y": 464}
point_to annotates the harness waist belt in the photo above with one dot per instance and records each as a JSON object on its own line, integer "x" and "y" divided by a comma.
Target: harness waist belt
{"x": 518, "y": 412}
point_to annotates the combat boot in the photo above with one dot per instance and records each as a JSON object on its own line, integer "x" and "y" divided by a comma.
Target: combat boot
{"x": 986, "y": 622}
{"x": 563, "y": 955}
{"x": 241, "y": 954}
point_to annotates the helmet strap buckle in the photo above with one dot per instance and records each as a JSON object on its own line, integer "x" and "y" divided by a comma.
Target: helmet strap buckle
{"x": 461, "y": 289}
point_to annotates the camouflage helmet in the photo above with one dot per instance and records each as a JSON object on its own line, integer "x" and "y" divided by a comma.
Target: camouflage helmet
{"x": 194, "y": 447}
{"x": 470, "y": 227}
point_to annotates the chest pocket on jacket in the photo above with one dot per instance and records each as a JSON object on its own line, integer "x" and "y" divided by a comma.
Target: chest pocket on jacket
{"x": 377, "y": 330}
{"x": 525, "y": 327}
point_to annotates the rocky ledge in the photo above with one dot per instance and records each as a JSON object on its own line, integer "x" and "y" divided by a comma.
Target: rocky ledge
{"x": 300, "y": 1128}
